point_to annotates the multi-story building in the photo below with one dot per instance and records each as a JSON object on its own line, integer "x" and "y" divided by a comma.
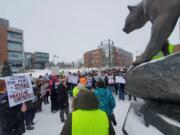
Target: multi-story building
{"x": 28, "y": 60}
{"x": 108, "y": 55}
{"x": 39, "y": 60}
{"x": 11, "y": 46}
{"x": 94, "y": 58}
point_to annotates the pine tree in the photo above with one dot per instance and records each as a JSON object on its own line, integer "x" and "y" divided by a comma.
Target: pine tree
{"x": 6, "y": 70}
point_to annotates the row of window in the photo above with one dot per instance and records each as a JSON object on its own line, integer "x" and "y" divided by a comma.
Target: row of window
{"x": 18, "y": 56}
{"x": 15, "y": 35}
{"x": 15, "y": 64}
{"x": 42, "y": 55}
{"x": 15, "y": 46}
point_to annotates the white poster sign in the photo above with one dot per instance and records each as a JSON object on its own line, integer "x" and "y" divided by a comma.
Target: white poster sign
{"x": 19, "y": 89}
{"x": 44, "y": 88}
{"x": 89, "y": 82}
{"x": 73, "y": 79}
{"x": 120, "y": 79}
{"x": 97, "y": 78}
{"x": 110, "y": 79}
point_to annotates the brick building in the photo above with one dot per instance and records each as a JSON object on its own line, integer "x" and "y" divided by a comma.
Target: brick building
{"x": 107, "y": 56}
{"x": 94, "y": 58}
{"x": 11, "y": 46}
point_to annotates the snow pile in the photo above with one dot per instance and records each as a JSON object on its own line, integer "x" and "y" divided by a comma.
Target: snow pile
{"x": 37, "y": 73}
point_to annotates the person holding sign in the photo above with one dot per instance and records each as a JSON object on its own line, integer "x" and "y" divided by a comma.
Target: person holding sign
{"x": 121, "y": 86}
{"x": 11, "y": 119}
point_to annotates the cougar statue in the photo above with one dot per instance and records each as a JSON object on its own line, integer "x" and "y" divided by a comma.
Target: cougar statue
{"x": 163, "y": 15}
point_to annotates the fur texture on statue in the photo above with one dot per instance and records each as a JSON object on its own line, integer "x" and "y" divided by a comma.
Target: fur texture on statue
{"x": 163, "y": 14}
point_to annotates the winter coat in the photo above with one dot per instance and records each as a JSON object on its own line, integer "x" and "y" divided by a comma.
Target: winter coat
{"x": 87, "y": 101}
{"x": 106, "y": 100}
{"x": 11, "y": 119}
{"x": 62, "y": 97}
{"x": 30, "y": 105}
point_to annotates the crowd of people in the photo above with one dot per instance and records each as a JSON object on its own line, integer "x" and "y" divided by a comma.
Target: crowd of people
{"x": 92, "y": 96}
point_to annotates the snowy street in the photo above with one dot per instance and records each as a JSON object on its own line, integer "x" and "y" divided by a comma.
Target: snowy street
{"x": 48, "y": 123}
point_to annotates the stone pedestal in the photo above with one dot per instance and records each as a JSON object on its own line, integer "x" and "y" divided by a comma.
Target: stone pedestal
{"x": 142, "y": 120}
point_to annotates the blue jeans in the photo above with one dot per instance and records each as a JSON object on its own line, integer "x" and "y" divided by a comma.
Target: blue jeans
{"x": 121, "y": 92}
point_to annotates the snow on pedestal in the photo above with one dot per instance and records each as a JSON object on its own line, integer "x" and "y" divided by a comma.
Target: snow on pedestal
{"x": 134, "y": 125}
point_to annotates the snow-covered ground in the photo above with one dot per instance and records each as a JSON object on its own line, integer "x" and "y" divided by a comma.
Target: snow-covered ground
{"x": 48, "y": 123}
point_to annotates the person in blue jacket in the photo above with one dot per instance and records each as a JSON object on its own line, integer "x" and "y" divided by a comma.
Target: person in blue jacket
{"x": 106, "y": 100}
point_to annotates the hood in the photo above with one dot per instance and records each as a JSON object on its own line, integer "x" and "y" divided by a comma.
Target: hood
{"x": 102, "y": 92}
{"x": 86, "y": 100}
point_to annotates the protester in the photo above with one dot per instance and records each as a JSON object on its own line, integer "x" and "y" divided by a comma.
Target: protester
{"x": 87, "y": 119}
{"x": 106, "y": 99}
{"x": 54, "y": 101}
{"x": 83, "y": 80}
{"x": 11, "y": 119}
{"x": 29, "y": 115}
{"x": 47, "y": 93}
{"x": 40, "y": 97}
{"x": 76, "y": 90}
{"x": 63, "y": 100}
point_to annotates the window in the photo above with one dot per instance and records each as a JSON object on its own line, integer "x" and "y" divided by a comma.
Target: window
{"x": 15, "y": 35}
{"x": 14, "y": 46}
{"x": 15, "y": 56}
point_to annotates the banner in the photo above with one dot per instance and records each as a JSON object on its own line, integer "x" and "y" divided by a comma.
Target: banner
{"x": 120, "y": 79}
{"x": 73, "y": 79}
{"x": 19, "y": 89}
{"x": 110, "y": 79}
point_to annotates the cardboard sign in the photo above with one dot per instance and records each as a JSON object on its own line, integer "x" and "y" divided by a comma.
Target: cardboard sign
{"x": 89, "y": 82}
{"x": 120, "y": 79}
{"x": 19, "y": 89}
{"x": 73, "y": 79}
{"x": 110, "y": 79}
{"x": 44, "y": 88}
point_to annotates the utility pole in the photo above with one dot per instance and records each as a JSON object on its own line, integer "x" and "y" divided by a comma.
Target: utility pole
{"x": 109, "y": 43}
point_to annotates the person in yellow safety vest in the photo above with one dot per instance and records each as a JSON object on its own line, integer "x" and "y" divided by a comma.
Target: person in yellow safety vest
{"x": 76, "y": 89}
{"x": 167, "y": 49}
{"x": 87, "y": 119}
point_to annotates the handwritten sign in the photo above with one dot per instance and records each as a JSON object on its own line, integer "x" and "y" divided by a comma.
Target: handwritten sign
{"x": 120, "y": 79}
{"x": 110, "y": 79}
{"x": 19, "y": 89}
{"x": 89, "y": 82}
{"x": 44, "y": 88}
{"x": 73, "y": 79}
{"x": 97, "y": 78}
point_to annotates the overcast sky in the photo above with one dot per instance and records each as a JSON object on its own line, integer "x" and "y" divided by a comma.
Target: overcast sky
{"x": 68, "y": 28}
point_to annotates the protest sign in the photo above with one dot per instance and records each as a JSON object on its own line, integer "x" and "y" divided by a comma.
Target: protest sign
{"x": 120, "y": 79}
{"x": 44, "y": 88}
{"x": 110, "y": 79}
{"x": 89, "y": 82}
{"x": 73, "y": 79}
{"x": 102, "y": 78}
{"x": 97, "y": 78}
{"x": 19, "y": 89}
